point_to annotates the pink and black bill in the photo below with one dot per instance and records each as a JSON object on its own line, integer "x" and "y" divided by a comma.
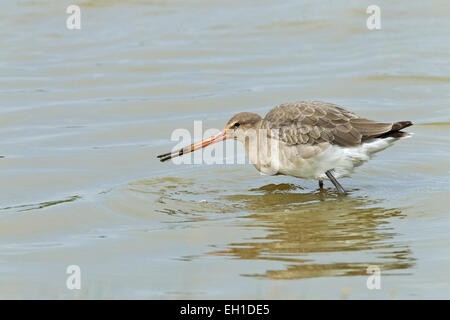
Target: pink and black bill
{"x": 195, "y": 146}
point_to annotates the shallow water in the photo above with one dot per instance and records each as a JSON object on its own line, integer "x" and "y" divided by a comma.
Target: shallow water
{"x": 84, "y": 113}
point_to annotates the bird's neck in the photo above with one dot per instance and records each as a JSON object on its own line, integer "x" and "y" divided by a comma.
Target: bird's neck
{"x": 251, "y": 141}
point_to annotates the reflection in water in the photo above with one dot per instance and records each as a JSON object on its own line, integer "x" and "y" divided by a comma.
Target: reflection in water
{"x": 318, "y": 234}
{"x": 312, "y": 234}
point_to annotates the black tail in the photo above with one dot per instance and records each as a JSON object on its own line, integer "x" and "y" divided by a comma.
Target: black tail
{"x": 401, "y": 125}
{"x": 395, "y": 131}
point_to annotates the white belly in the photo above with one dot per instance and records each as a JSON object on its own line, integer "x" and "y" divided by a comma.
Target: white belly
{"x": 311, "y": 162}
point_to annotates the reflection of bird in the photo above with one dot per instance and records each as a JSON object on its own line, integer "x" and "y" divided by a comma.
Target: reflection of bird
{"x": 309, "y": 140}
{"x": 311, "y": 235}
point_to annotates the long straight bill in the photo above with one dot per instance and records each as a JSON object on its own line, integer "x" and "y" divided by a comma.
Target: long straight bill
{"x": 195, "y": 146}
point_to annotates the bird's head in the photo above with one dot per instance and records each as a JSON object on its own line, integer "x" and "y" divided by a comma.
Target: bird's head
{"x": 238, "y": 126}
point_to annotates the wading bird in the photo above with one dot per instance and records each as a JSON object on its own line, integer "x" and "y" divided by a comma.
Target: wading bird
{"x": 314, "y": 140}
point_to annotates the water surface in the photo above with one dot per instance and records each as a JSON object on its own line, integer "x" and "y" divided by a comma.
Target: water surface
{"x": 84, "y": 113}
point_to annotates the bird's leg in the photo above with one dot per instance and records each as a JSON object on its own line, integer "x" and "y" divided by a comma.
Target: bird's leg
{"x": 335, "y": 182}
{"x": 320, "y": 184}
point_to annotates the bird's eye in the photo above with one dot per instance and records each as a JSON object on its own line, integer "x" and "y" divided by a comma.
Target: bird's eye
{"x": 237, "y": 124}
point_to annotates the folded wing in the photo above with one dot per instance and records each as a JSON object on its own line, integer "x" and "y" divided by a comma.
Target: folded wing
{"x": 313, "y": 122}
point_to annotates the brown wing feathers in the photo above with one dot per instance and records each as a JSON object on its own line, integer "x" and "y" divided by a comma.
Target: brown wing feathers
{"x": 315, "y": 122}
{"x": 372, "y": 129}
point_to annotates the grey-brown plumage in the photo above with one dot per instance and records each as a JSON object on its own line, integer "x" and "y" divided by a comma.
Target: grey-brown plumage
{"x": 312, "y": 140}
{"x": 313, "y": 122}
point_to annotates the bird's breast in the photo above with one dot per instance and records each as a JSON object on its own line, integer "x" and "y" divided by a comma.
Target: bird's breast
{"x": 272, "y": 157}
